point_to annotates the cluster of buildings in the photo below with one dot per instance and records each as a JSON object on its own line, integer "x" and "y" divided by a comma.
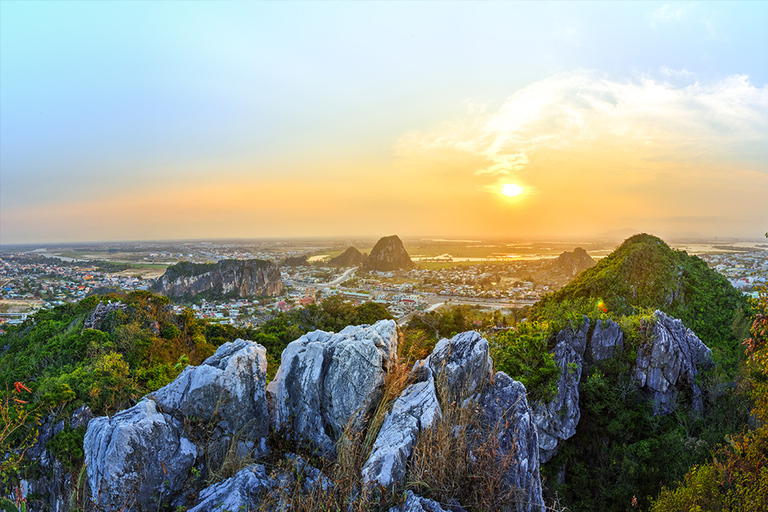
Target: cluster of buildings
{"x": 49, "y": 282}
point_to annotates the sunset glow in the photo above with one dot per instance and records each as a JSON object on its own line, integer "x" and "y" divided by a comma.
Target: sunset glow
{"x": 134, "y": 120}
{"x": 511, "y": 190}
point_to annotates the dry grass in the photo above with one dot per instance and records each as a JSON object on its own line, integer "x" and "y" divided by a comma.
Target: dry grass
{"x": 457, "y": 461}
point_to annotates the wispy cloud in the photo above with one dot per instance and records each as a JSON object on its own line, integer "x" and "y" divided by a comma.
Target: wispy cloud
{"x": 668, "y": 13}
{"x": 579, "y": 111}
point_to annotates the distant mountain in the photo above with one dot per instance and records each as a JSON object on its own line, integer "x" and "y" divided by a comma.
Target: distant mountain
{"x": 227, "y": 278}
{"x": 349, "y": 258}
{"x": 294, "y": 261}
{"x": 644, "y": 272}
{"x": 570, "y": 264}
{"x": 388, "y": 254}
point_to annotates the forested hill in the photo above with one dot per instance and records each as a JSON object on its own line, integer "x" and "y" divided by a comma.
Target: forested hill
{"x": 645, "y": 273}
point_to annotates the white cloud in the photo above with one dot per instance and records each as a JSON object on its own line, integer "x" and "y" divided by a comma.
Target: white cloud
{"x": 580, "y": 112}
{"x": 667, "y": 13}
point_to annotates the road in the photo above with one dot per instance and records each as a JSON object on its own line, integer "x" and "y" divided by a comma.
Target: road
{"x": 343, "y": 277}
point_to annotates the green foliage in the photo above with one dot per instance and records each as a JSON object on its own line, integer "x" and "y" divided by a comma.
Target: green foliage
{"x": 645, "y": 274}
{"x": 522, "y": 354}
{"x": 736, "y": 479}
{"x": 67, "y": 447}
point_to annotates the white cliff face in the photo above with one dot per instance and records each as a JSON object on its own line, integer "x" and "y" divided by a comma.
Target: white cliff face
{"x": 135, "y": 456}
{"x": 226, "y": 387}
{"x": 413, "y": 412}
{"x": 144, "y": 452}
{"x": 670, "y": 363}
{"x": 327, "y": 380}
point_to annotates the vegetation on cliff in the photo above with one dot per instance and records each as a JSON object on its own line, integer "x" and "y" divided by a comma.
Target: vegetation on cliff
{"x": 644, "y": 273}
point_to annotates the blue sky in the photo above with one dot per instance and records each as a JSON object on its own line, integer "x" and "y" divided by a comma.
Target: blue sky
{"x": 142, "y": 120}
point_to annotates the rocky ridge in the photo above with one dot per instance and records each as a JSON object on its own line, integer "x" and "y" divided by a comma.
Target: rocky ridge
{"x": 227, "y": 278}
{"x": 666, "y": 365}
{"x": 326, "y": 382}
{"x": 388, "y": 254}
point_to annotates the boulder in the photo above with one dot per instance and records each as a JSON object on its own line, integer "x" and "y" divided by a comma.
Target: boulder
{"x": 136, "y": 459}
{"x": 670, "y": 363}
{"x": 461, "y": 366}
{"x": 507, "y": 421}
{"x": 412, "y": 412}
{"x": 556, "y": 420}
{"x": 237, "y": 493}
{"x": 327, "y": 381}
{"x": 415, "y": 503}
{"x": 228, "y": 388}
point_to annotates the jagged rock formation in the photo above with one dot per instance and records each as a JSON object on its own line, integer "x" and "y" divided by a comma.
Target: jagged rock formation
{"x": 227, "y": 278}
{"x": 100, "y": 312}
{"x": 135, "y": 456}
{"x": 556, "y": 421}
{"x": 152, "y": 452}
{"x": 415, "y": 503}
{"x": 235, "y": 493}
{"x": 667, "y": 363}
{"x": 388, "y": 254}
{"x": 506, "y": 416}
{"x": 217, "y": 391}
{"x": 459, "y": 372}
{"x": 349, "y": 258}
{"x": 326, "y": 380}
{"x": 145, "y": 450}
{"x": 54, "y": 483}
{"x": 414, "y": 411}
{"x": 571, "y": 264}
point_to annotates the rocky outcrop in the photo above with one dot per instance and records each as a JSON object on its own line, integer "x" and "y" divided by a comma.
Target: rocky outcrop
{"x": 100, "y": 312}
{"x": 349, "y": 258}
{"x": 415, "y": 503}
{"x": 236, "y": 493}
{"x": 669, "y": 364}
{"x": 668, "y": 360}
{"x": 145, "y": 453}
{"x": 137, "y": 457}
{"x": 462, "y": 365}
{"x": 388, "y": 254}
{"x": 458, "y": 373}
{"x": 227, "y": 388}
{"x": 227, "y": 278}
{"x": 327, "y": 381}
{"x": 556, "y": 420}
{"x": 571, "y": 264}
{"x": 414, "y": 411}
{"x": 507, "y": 420}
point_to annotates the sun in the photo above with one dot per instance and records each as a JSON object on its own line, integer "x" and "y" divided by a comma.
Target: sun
{"x": 511, "y": 189}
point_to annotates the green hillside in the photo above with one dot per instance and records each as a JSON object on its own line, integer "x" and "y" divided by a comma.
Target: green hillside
{"x": 645, "y": 273}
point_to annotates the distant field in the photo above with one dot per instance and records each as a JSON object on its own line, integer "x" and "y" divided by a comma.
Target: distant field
{"x": 19, "y": 306}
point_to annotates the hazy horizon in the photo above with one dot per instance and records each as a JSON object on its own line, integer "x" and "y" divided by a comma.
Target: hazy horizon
{"x": 157, "y": 121}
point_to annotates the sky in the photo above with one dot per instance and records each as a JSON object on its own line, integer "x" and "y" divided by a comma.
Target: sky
{"x": 193, "y": 120}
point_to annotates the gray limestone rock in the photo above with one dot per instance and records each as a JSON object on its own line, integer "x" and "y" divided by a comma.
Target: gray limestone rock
{"x": 670, "y": 363}
{"x": 326, "y": 380}
{"x": 556, "y": 421}
{"x": 228, "y": 387}
{"x": 237, "y": 493}
{"x": 137, "y": 458}
{"x": 462, "y": 365}
{"x": 415, "y": 503}
{"x": 607, "y": 340}
{"x": 412, "y": 412}
{"x": 507, "y": 420}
